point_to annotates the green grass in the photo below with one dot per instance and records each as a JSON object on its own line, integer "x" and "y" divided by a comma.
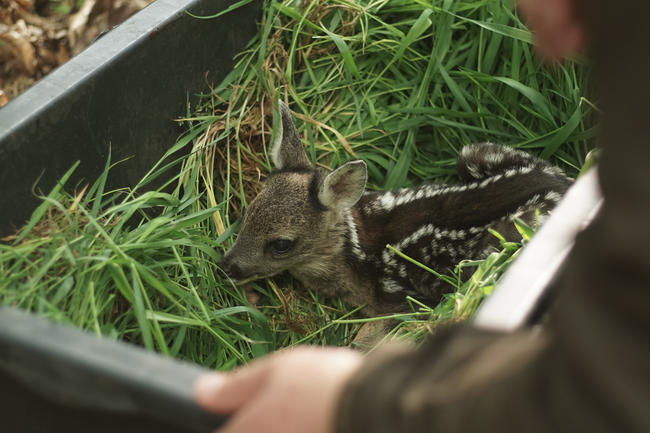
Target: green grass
{"x": 401, "y": 84}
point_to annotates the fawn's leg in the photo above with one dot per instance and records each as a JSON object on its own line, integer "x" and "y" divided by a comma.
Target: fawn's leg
{"x": 371, "y": 334}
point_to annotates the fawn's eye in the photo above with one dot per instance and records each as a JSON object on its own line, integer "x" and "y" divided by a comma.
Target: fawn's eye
{"x": 280, "y": 246}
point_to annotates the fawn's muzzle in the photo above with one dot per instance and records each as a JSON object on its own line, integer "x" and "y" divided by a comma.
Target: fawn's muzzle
{"x": 232, "y": 270}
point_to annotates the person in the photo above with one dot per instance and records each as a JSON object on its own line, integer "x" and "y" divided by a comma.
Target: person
{"x": 588, "y": 370}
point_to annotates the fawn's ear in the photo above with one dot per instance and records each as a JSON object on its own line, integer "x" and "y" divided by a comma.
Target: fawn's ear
{"x": 287, "y": 150}
{"x": 343, "y": 187}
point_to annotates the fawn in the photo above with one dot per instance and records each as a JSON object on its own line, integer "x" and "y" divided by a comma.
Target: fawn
{"x": 331, "y": 234}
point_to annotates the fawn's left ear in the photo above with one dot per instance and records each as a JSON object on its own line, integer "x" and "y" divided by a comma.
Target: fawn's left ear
{"x": 287, "y": 151}
{"x": 343, "y": 187}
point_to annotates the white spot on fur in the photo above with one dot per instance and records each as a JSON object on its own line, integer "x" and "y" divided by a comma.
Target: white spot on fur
{"x": 426, "y": 230}
{"x": 486, "y": 252}
{"x": 553, "y": 196}
{"x": 532, "y": 201}
{"x": 474, "y": 171}
{"x": 519, "y": 171}
{"x": 391, "y": 286}
{"x": 476, "y": 230}
{"x": 553, "y": 171}
{"x": 386, "y": 201}
{"x": 494, "y": 159}
{"x": 388, "y": 258}
{"x": 354, "y": 236}
{"x": 457, "y": 234}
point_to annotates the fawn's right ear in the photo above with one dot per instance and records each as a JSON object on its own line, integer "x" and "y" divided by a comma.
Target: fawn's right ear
{"x": 287, "y": 151}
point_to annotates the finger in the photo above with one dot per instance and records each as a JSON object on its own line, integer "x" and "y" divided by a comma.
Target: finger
{"x": 566, "y": 40}
{"x": 258, "y": 417}
{"x": 556, "y": 26}
{"x": 227, "y": 392}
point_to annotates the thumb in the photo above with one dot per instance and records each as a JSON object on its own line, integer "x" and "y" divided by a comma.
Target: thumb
{"x": 227, "y": 392}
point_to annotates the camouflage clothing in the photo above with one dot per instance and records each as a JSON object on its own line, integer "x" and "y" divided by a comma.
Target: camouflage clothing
{"x": 588, "y": 370}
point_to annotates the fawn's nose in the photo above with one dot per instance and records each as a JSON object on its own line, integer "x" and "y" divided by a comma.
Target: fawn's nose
{"x": 232, "y": 270}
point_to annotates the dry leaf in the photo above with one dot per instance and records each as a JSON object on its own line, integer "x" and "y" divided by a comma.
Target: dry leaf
{"x": 79, "y": 20}
{"x": 62, "y": 55}
{"x": 3, "y": 99}
{"x": 22, "y": 51}
{"x": 252, "y": 296}
{"x": 26, "y": 4}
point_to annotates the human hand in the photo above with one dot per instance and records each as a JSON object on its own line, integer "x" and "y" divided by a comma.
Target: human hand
{"x": 557, "y": 26}
{"x": 292, "y": 391}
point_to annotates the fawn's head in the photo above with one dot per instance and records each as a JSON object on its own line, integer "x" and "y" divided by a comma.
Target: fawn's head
{"x": 296, "y": 222}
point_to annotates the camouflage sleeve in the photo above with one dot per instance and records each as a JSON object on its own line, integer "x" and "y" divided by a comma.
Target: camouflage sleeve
{"x": 589, "y": 369}
{"x": 452, "y": 384}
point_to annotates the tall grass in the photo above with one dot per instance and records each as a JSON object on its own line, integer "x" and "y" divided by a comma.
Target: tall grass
{"x": 401, "y": 84}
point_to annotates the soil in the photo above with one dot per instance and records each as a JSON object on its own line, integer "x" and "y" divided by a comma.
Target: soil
{"x": 36, "y": 36}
